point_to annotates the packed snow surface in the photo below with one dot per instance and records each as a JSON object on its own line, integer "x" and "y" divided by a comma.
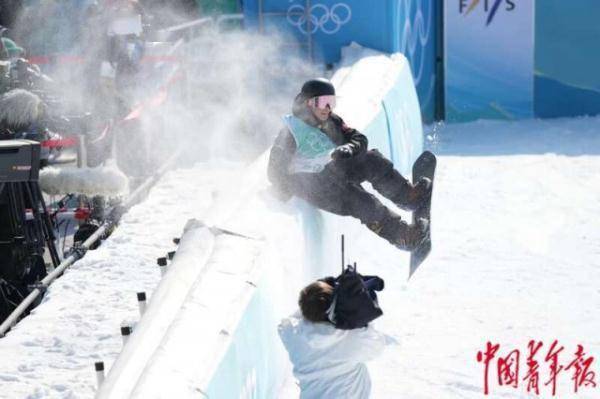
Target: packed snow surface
{"x": 515, "y": 257}
{"x": 51, "y": 352}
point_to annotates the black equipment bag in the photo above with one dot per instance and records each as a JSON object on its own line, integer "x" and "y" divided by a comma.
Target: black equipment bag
{"x": 355, "y": 301}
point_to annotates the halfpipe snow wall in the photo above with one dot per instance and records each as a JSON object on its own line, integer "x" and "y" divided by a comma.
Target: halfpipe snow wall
{"x": 377, "y": 96}
{"x": 221, "y": 341}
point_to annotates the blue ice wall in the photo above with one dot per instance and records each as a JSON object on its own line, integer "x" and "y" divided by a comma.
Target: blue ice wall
{"x": 251, "y": 367}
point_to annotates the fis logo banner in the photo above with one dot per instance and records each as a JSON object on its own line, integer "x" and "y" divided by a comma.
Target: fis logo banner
{"x": 491, "y": 7}
{"x": 489, "y": 49}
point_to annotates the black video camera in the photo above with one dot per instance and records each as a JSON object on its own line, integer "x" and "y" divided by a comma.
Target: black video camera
{"x": 19, "y": 161}
{"x": 354, "y": 299}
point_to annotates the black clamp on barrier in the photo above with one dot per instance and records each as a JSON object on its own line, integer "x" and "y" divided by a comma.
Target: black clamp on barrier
{"x": 38, "y": 286}
{"x": 78, "y": 250}
{"x": 116, "y": 213}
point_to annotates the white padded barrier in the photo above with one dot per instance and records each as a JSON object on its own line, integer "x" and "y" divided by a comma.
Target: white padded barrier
{"x": 196, "y": 243}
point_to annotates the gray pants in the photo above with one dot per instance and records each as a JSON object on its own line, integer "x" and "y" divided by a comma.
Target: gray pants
{"x": 337, "y": 189}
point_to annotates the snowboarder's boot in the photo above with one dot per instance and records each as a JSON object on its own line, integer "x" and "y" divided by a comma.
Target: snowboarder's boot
{"x": 400, "y": 191}
{"x": 418, "y": 193}
{"x": 404, "y": 236}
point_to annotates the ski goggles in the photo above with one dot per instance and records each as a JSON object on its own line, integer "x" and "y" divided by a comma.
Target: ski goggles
{"x": 322, "y": 102}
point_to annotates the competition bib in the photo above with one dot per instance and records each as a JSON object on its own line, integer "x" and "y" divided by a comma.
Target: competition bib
{"x": 313, "y": 147}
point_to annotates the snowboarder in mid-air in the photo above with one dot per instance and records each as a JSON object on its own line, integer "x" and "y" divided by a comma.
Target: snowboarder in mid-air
{"x": 318, "y": 158}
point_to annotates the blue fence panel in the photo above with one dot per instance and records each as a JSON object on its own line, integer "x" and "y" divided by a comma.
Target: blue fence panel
{"x": 567, "y": 58}
{"x": 252, "y": 366}
{"x": 401, "y": 106}
{"x": 417, "y": 40}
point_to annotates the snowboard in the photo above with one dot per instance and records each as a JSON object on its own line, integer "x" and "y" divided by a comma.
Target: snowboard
{"x": 424, "y": 166}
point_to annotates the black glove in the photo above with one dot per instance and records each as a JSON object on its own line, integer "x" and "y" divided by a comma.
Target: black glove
{"x": 374, "y": 283}
{"x": 342, "y": 152}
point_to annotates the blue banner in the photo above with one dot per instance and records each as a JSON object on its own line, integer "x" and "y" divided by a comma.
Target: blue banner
{"x": 567, "y": 58}
{"x": 416, "y": 39}
{"x": 406, "y": 26}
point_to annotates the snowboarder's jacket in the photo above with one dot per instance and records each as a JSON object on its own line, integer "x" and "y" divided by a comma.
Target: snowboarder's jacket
{"x": 290, "y": 146}
{"x": 329, "y": 362}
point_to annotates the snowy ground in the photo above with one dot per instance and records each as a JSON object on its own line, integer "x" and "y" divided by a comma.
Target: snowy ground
{"x": 516, "y": 257}
{"x": 516, "y": 227}
{"x": 51, "y": 353}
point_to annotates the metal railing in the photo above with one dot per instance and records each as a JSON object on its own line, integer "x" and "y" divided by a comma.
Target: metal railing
{"x": 192, "y": 29}
{"x": 79, "y": 251}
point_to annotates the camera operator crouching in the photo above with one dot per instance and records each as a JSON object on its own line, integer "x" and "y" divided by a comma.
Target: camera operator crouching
{"x": 329, "y": 339}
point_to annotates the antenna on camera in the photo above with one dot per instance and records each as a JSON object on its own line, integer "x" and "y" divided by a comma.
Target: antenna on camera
{"x": 343, "y": 255}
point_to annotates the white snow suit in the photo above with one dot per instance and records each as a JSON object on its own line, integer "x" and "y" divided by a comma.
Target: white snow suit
{"x": 328, "y": 362}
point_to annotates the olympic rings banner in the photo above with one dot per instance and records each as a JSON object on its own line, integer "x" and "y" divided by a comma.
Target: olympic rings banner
{"x": 319, "y": 18}
{"x": 327, "y": 25}
{"x": 489, "y": 59}
{"x": 406, "y": 26}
